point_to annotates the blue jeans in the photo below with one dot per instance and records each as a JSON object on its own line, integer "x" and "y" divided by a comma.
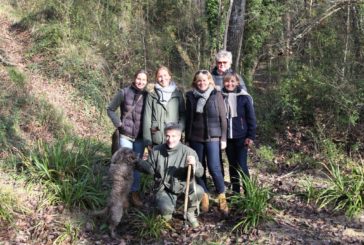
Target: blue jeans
{"x": 211, "y": 152}
{"x": 138, "y": 147}
{"x": 237, "y": 154}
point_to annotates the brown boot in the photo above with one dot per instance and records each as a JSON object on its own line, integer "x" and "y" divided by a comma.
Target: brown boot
{"x": 135, "y": 199}
{"x": 205, "y": 203}
{"x": 223, "y": 206}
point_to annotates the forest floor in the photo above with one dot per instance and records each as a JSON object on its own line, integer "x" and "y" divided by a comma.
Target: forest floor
{"x": 293, "y": 220}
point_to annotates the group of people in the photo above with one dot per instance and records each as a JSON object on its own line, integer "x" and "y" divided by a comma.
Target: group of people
{"x": 216, "y": 114}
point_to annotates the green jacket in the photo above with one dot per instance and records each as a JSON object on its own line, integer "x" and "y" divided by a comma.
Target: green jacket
{"x": 169, "y": 167}
{"x": 156, "y": 115}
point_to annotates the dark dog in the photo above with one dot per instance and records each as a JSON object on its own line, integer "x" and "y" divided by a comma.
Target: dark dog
{"x": 121, "y": 174}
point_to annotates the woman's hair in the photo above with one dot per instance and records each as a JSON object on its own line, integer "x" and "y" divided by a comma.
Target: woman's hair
{"x": 231, "y": 75}
{"x": 162, "y": 68}
{"x": 140, "y": 71}
{"x": 223, "y": 54}
{"x": 204, "y": 72}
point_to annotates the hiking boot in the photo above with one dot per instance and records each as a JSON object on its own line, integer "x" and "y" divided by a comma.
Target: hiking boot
{"x": 223, "y": 206}
{"x": 136, "y": 200}
{"x": 192, "y": 220}
{"x": 205, "y": 203}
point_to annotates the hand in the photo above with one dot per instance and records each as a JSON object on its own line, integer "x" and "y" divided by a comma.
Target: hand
{"x": 248, "y": 142}
{"x": 223, "y": 145}
{"x": 190, "y": 161}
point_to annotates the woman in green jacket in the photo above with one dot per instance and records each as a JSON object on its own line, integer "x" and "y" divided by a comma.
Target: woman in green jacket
{"x": 164, "y": 104}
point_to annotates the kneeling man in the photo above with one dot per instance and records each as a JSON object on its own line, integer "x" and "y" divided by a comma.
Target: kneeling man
{"x": 168, "y": 163}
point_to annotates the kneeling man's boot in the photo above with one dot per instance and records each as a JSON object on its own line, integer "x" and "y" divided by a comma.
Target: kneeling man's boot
{"x": 191, "y": 218}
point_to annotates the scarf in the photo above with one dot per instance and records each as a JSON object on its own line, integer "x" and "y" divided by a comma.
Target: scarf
{"x": 165, "y": 93}
{"x": 202, "y": 98}
{"x": 231, "y": 101}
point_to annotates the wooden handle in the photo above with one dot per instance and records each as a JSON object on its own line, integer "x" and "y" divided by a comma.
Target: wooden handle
{"x": 187, "y": 190}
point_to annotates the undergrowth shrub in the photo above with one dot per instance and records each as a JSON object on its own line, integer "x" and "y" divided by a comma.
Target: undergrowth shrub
{"x": 9, "y": 206}
{"x": 69, "y": 233}
{"x": 17, "y": 77}
{"x": 86, "y": 70}
{"x": 344, "y": 189}
{"x": 266, "y": 157}
{"x": 252, "y": 206}
{"x": 66, "y": 169}
{"x": 312, "y": 98}
{"x": 149, "y": 225}
{"x": 310, "y": 191}
{"x": 48, "y": 38}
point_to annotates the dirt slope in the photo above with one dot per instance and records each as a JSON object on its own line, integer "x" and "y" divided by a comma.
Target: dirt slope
{"x": 60, "y": 94}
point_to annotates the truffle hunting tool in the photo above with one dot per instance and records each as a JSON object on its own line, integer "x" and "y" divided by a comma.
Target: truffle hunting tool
{"x": 187, "y": 191}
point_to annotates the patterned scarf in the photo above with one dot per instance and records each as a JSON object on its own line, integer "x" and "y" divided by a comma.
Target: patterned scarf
{"x": 165, "y": 93}
{"x": 202, "y": 98}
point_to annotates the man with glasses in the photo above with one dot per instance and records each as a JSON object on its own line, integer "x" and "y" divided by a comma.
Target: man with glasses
{"x": 223, "y": 66}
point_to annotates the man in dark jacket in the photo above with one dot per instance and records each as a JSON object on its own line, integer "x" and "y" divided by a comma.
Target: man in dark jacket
{"x": 168, "y": 163}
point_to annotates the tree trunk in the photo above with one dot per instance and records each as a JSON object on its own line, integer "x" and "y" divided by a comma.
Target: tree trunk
{"x": 235, "y": 31}
{"x": 227, "y": 23}
{"x": 218, "y": 29}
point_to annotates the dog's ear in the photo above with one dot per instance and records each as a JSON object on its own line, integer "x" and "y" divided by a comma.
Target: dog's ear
{"x": 115, "y": 156}
{"x": 118, "y": 155}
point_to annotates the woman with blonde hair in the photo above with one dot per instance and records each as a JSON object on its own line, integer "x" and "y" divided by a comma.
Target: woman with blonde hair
{"x": 206, "y": 132}
{"x": 164, "y": 104}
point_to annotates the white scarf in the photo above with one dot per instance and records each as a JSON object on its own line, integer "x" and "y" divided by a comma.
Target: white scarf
{"x": 165, "y": 93}
{"x": 231, "y": 101}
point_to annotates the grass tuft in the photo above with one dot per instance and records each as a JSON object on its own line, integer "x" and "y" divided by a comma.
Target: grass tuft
{"x": 149, "y": 225}
{"x": 252, "y": 206}
{"x": 65, "y": 168}
{"x": 9, "y": 206}
{"x": 344, "y": 191}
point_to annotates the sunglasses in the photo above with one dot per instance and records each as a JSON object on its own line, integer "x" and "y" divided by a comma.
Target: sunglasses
{"x": 205, "y": 72}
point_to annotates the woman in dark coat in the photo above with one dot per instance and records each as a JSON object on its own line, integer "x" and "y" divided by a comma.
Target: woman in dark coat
{"x": 241, "y": 125}
{"x": 130, "y": 100}
{"x": 206, "y": 132}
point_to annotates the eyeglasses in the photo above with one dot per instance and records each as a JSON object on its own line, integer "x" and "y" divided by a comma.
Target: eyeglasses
{"x": 221, "y": 62}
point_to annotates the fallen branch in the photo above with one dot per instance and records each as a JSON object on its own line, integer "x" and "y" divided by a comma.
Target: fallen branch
{"x": 286, "y": 175}
{"x": 5, "y": 62}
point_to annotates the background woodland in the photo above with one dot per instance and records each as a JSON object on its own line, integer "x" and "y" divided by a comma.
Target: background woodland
{"x": 303, "y": 63}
